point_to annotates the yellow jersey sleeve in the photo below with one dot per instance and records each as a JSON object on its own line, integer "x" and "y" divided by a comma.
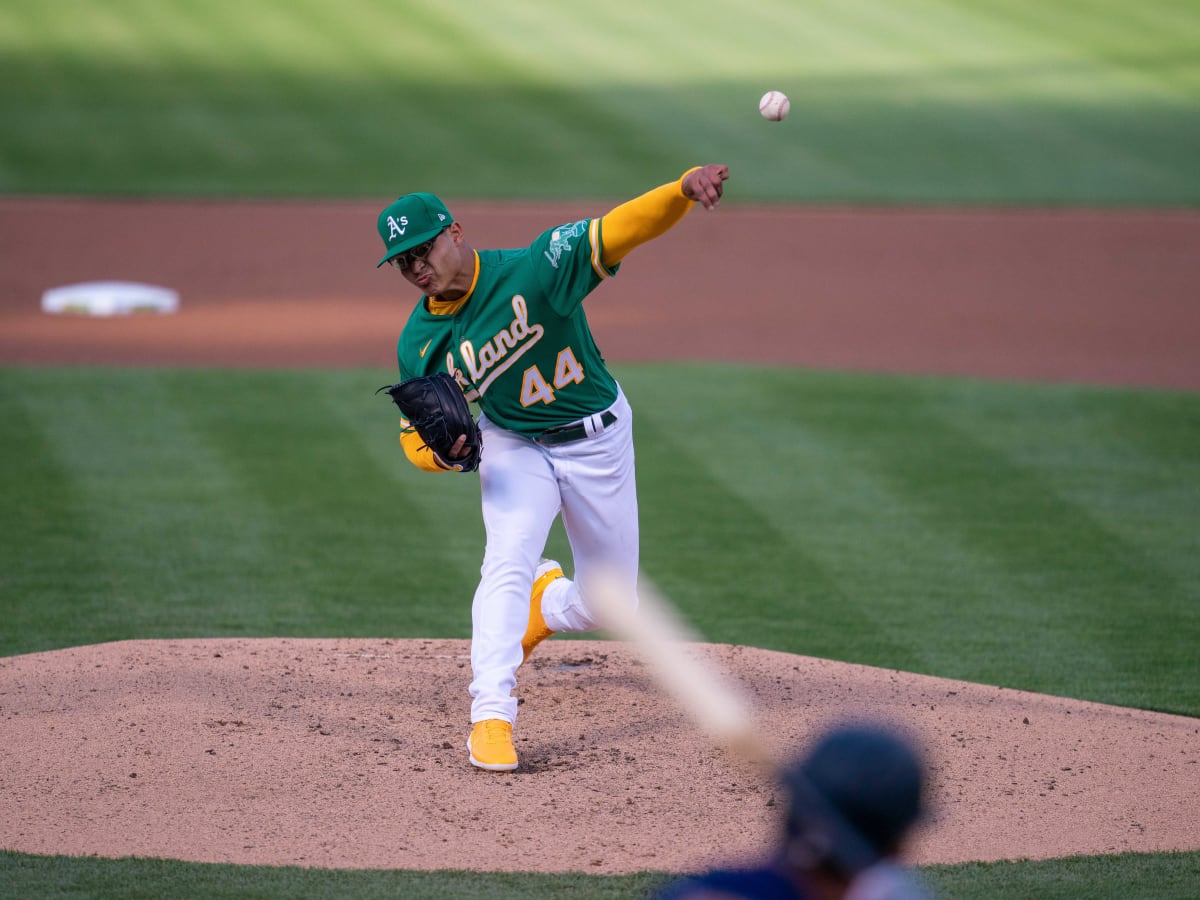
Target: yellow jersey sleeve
{"x": 642, "y": 219}
{"x": 420, "y": 455}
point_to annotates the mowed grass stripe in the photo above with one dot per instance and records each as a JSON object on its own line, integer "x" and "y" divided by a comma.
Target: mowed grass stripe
{"x": 1030, "y": 536}
{"x": 890, "y": 577}
{"x": 916, "y": 102}
{"x": 736, "y": 571}
{"x": 933, "y": 530}
{"x": 973, "y": 96}
{"x": 356, "y": 549}
{"x": 207, "y": 503}
{"x": 1126, "y": 50}
{"x": 1095, "y": 440}
{"x": 48, "y": 558}
{"x": 1092, "y": 78}
{"x": 1074, "y": 601}
{"x": 729, "y": 520}
{"x": 781, "y": 507}
{"x": 175, "y": 547}
{"x": 139, "y": 878}
{"x": 1165, "y": 876}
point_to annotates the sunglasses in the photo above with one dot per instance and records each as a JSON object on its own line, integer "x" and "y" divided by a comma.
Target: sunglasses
{"x": 403, "y": 260}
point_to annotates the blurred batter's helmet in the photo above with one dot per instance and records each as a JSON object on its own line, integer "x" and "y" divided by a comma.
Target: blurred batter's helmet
{"x": 852, "y": 798}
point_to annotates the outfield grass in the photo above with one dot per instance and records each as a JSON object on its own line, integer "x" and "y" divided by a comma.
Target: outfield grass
{"x": 1040, "y": 537}
{"x": 1167, "y": 876}
{"x": 1036, "y": 537}
{"x": 1161, "y": 876}
{"x": 894, "y": 101}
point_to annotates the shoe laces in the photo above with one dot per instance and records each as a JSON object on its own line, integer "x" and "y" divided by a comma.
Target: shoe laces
{"x": 495, "y": 731}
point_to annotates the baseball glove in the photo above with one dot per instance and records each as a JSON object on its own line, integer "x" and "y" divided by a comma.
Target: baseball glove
{"x": 436, "y": 408}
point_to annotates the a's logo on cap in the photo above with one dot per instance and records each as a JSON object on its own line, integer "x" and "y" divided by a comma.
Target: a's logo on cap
{"x": 396, "y": 229}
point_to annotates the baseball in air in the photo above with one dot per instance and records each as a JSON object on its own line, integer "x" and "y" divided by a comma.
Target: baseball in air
{"x": 774, "y": 106}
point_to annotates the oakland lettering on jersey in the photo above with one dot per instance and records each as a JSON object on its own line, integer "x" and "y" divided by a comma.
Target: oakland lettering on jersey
{"x": 518, "y": 339}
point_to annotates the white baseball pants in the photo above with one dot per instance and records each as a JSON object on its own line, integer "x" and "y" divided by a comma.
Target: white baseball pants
{"x": 525, "y": 485}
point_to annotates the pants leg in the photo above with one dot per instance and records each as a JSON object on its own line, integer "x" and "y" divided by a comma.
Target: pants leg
{"x": 600, "y": 515}
{"x": 520, "y": 500}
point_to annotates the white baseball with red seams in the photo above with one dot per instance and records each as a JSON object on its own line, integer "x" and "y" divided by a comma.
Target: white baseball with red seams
{"x": 774, "y": 106}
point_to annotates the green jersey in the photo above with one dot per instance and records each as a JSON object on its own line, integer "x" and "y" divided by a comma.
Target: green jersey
{"x": 520, "y": 346}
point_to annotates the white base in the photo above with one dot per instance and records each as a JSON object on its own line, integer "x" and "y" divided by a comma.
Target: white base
{"x": 109, "y": 298}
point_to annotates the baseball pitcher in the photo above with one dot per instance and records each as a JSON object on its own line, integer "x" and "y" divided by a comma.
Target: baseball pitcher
{"x": 555, "y": 432}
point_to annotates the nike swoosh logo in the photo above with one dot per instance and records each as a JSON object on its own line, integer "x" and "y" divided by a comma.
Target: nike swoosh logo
{"x": 426, "y": 347}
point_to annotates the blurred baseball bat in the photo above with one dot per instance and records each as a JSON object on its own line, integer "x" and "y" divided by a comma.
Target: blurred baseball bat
{"x": 660, "y": 635}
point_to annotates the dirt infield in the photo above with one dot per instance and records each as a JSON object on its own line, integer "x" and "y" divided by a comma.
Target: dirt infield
{"x": 349, "y": 753}
{"x": 1084, "y": 296}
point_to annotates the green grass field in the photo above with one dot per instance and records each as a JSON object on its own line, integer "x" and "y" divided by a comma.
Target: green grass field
{"x": 1039, "y": 537}
{"x": 912, "y": 101}
{"x": 1166, "y": 876}
{"x": 1036, "y": 537}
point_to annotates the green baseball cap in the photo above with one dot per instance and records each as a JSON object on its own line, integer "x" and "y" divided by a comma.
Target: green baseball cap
{"x": 411, "y": 220}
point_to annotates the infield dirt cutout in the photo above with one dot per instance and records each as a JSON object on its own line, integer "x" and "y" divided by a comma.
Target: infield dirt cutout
{"x": 349, "y": 753}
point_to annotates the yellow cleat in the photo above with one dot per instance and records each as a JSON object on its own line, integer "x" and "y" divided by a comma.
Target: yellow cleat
{"x": 491, "y": 746}
{"x": 536, "y": 632}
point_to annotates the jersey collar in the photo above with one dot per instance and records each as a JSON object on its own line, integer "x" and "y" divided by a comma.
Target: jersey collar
{"x": 450, "y": 307}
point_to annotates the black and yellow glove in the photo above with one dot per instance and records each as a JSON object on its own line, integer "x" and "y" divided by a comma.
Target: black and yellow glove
{"x": 436, "y": 409}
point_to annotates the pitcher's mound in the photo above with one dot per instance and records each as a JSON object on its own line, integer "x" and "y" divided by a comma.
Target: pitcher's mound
{"x": 350, "y": 754}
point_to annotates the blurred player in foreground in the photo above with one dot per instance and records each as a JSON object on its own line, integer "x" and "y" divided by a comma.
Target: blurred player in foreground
{"x": 851, "y": 802}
